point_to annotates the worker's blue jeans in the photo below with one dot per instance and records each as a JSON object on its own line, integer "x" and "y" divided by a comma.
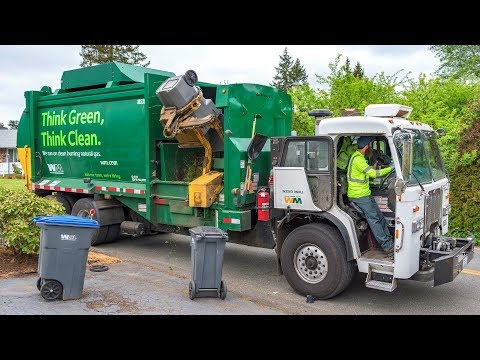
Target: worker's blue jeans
{"x": 375, "y": 220}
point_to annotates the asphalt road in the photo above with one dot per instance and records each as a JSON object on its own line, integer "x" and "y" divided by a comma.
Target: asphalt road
{"x": 252, "y": 279}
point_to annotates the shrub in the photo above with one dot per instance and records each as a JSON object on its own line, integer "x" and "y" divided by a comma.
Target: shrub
{"x": 16, "y": 169}
{"x": 465, "y": 202}
{"x": 17, "y": 209}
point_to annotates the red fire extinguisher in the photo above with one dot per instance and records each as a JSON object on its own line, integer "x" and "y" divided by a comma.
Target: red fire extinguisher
{"x": 263, "y": 205}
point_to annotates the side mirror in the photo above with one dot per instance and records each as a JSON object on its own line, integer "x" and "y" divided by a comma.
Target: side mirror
{"x": 441, "y": 132}
{"x": 256, "y": 146}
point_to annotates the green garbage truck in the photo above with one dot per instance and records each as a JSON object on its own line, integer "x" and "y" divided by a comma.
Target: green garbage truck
{"x": 144, "y": 151}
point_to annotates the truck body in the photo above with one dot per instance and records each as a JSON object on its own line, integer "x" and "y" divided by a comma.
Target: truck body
{"x": 144, "y": 151}
{"x": 100, "y": 138}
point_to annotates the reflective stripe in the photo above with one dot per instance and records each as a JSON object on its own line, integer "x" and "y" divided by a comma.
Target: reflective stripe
{"x": 343, "y": 159}
{"x": 377, "y": 173}
{"x": 349, "y": 173}
{"x": 366, "y": 169}
{"x": 357, "y": 181}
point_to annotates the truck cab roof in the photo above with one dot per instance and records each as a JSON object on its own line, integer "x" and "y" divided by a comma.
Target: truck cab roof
{"x": 365, "y": 125}
{"x": 378, "y": 119}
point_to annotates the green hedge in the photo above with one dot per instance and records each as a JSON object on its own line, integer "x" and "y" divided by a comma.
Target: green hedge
{"x": 17, "y": 209}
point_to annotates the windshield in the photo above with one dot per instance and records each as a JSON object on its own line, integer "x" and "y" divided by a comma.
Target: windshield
{"x": 427, "y": 162}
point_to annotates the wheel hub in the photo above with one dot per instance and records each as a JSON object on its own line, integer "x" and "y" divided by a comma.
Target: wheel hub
{"x": 311, "y": 263}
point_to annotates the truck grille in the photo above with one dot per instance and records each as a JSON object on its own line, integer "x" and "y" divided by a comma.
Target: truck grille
{"x": 433, "y": 207}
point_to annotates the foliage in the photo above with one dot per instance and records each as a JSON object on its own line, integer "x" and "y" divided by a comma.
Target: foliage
{"x": 458, "y": 61}
{"x": 465, "y": 202}
{"x": 16, "y": 169}
{"x": 2, "y": 126}
{"x": 288, "y": 72}
{"x": 345, "y": 90}
{"x": 298, "y": 75}
{"x": 100, "y": 54}
{"x": 17, "y": 209}
{"x": 443, "y": 103}
{"x": 13, "y": 124}
{"x": 358, "y": 71}
{"x": 304, "y": 99}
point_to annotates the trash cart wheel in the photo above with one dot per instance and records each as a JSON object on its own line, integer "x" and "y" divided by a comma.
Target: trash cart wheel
{"x": 191, "y": 290}
{"x": 51, "y": 290}
{"x": 39, "y": 283}
{"x": 223, "y": 290}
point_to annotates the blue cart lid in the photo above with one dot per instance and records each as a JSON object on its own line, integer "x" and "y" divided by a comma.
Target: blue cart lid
{"x": 65, "y": 220}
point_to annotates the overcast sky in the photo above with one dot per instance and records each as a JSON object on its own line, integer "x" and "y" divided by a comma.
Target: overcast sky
{"x": 31, "y": 67}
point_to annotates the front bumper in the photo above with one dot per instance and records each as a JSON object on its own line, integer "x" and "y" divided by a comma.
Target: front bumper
{"x": 448, "y": 264}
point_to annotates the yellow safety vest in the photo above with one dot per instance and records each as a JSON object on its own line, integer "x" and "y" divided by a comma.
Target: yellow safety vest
{"x": 346, "y": 151}
{"x": 358, "y": 174}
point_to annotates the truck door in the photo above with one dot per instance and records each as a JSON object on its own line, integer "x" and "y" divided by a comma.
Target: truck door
{"x": 315, "y": 155}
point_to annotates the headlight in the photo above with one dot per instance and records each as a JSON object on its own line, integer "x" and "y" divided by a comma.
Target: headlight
{"x": 417, "y": 225}
{"x": 446, "y": 210}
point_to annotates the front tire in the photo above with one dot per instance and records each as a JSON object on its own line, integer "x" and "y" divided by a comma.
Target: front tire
{"x": 314, "y": 261}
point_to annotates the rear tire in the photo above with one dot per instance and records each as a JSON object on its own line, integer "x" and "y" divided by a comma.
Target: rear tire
{"x": 104, "y": 234}
{"x": 314, "y": 261}
{"x": 64, "y": 201}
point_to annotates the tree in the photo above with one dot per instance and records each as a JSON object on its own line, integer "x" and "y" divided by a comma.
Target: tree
{"x": 345, "y": 91}
{"x": 298, "y": 74}
{"x": 2, "y": 127}
{"x": 289, "y": 73}
{"x": 346, "y": 67}
{"x": 459, "y": 61}
{"x": 281, "y": 80}
{"x": 101, "y": 54}
{"x": 358, "y": 71}
{"x": 13, "y": 124}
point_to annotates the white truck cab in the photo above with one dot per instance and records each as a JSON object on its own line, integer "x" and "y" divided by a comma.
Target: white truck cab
{"x": 322, "y": 238}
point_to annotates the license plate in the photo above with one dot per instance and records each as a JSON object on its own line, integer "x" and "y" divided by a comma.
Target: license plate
{"x": 465, "y": 261}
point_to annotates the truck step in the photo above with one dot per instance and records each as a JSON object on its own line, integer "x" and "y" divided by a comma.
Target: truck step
{"x": 380, "y": 278}
{"x": 381, "y": 285}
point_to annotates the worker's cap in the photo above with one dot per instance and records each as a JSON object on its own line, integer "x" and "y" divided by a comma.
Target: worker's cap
{"x": 364, "y": 141}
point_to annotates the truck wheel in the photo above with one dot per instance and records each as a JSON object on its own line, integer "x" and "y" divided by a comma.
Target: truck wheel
{"x": 62, "y": 200}
{"x": 71, "y": 199}
{"x": 314, "y": 261}
{"x": 106, "y": 233}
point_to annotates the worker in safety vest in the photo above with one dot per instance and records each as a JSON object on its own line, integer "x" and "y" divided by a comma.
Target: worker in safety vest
{"x": 358, "y": 192}
{"x": 346, "y": 150}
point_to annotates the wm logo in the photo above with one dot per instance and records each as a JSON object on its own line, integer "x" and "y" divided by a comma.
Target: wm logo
{"x": 55, "y": 168}
{"x": 292, "y": 200}
{"x": 68, "y": 237}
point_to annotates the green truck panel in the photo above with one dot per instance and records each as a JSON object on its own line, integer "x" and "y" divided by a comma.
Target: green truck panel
{"x": 101, "y": 133}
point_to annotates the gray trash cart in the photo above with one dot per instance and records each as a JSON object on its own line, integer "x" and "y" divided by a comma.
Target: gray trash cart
{"x": 64, "y": 244}
{"x": 207, "y": 245}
